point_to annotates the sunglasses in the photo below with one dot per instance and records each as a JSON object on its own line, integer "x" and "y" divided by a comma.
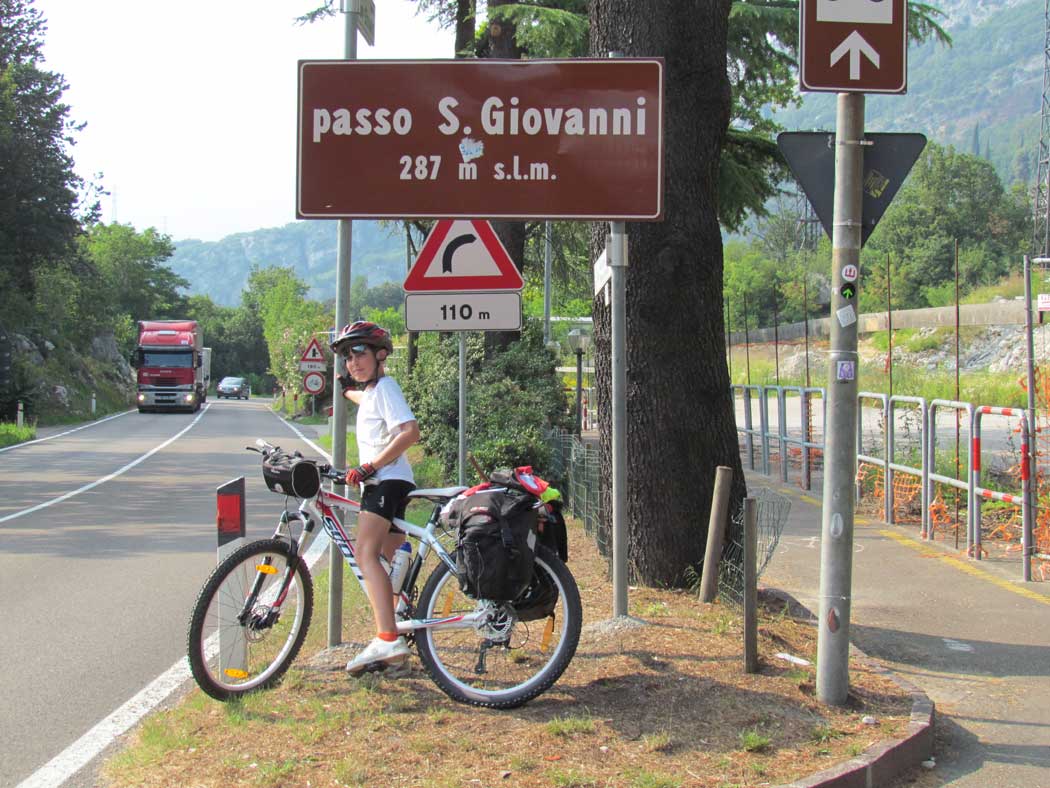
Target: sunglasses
{"x": 354, "y": 350}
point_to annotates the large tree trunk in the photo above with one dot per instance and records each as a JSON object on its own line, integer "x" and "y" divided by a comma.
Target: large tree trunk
{"x": 502, "y": 44}
{"x": 680, "y": 422}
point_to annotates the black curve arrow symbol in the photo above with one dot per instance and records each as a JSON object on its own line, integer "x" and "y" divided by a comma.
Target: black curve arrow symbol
{"x": 453, "y": 245}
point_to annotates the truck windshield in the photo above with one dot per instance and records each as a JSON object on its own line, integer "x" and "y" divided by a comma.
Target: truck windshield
{"x": 154, "y": 359}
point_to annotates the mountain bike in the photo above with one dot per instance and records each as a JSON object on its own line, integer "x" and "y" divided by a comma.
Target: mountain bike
{"x": 253, "y": 613}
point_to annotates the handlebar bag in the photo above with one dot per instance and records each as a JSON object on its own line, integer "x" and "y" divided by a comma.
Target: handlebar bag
{"x": 292, "y": 476}
{"x": 496, "y": 541}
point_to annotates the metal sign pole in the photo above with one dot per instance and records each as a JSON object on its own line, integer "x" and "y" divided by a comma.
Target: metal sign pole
{"x": 342, "y": 317}
{"x": 546, "y": 283}
{"x": 462, "y": 479}
{"x": 618, "y": 264}
{"x": 1033, "y": 430}
{"x": 836, "y": 546}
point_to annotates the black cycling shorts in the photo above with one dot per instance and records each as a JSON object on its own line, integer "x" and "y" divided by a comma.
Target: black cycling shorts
{"x": 388, "y": 499}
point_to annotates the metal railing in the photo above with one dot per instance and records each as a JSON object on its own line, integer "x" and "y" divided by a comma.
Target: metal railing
{"x": 893, "y": 466}
{"x": 887, "y": 442}
{"x": 931, "y": 463}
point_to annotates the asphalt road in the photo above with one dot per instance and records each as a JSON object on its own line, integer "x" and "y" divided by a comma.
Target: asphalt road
{"x": 97, "y": 588}
{"x": 973, "y": 637}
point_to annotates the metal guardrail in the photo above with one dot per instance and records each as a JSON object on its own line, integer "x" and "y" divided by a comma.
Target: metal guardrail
{"x": 931, "y": 463}
{"x": 926, "y": 471}
{"x": 893, "y": 466}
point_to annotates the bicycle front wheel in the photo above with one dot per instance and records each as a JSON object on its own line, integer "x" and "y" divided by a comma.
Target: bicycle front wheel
{"x": 242, "y": 636}
{"x": 502, "y": 662}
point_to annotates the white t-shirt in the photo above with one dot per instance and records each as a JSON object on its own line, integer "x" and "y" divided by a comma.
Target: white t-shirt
{"x": 380, "y": 415}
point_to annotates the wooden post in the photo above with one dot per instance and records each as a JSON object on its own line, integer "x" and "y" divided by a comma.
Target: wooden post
{"x": 750, "y": 586}
{"x": 715, "y": 533}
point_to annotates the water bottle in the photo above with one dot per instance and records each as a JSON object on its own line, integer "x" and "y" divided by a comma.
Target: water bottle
{"x": 399, "y": 566}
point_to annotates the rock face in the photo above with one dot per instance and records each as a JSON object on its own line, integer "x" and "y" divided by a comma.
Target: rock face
{"x": 47, "y": 386}
{"x": 104, "y": 348}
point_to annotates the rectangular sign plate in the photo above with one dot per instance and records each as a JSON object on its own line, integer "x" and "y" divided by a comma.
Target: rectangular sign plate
{"x": 857, "y": 46}
{"x": 463, "y": 311}
{"x": 312, "y": 366}
{"x": 481, "y": 139}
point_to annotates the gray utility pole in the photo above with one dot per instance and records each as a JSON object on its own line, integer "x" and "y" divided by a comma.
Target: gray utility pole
{"x": 342, "y": 317}
{"x": 836, "y": 545}
{"x": 546, "y": 283}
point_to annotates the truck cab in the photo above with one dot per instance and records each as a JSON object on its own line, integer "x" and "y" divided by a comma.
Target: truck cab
{"x": 173, "y": 365}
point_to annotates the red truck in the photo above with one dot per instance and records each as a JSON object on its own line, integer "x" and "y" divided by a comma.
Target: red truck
{"x": 173, "y": 365}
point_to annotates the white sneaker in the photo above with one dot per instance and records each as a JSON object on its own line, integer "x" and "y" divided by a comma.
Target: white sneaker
{"x": 378, "y": 655}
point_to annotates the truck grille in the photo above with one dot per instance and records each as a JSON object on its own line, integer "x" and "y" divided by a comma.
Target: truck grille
{"x": 164, "y": 382}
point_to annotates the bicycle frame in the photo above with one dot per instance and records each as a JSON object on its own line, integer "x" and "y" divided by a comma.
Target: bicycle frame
{"x": 324, "y": 506}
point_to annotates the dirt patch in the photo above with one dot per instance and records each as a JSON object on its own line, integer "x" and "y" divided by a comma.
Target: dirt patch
{"x": 654, "y": 701}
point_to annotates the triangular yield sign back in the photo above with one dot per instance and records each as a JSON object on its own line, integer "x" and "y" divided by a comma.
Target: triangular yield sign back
{"x": 888, "y": 158}
{"x": 313, "y": 352}
{"x": 462, "y": 255}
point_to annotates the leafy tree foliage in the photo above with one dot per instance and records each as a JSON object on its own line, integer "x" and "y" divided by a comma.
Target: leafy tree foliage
{"x": 131, "y": 267}
{"x": 289, "y": 320}
{"x": 38, "y": 187}
{"x": 949, "y": 196}
{"x": 511, "y": 398}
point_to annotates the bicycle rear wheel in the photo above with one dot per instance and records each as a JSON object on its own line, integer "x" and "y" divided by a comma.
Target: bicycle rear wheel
{"x": 237, "y": 640}
{"x": 503, "y": 662}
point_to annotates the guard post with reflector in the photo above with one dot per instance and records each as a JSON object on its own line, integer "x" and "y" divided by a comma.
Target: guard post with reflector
{"x": 229, "y": 522}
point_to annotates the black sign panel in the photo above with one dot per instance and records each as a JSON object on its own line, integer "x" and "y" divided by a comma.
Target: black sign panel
{"x": 887, "y": 161}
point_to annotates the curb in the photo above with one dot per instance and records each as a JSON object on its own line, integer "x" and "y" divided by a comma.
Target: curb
{"x": 884, "y": 760}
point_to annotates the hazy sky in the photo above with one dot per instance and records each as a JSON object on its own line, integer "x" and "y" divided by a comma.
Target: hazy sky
{"x": 191, "y": 104}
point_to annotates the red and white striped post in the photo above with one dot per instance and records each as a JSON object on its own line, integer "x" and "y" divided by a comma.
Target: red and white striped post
{"x": 230, "y": 522}
{"x": 980, "y": 493}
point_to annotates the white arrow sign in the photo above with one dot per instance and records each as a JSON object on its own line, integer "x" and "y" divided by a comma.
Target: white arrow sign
{"x": 855, "y": 45}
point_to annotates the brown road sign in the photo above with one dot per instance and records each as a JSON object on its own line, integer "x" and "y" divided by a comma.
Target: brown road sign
{"x": 854, "y": 46}
{"x": 555, "y": 139}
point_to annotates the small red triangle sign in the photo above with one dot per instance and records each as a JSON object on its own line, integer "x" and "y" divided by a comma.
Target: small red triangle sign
{"x": 313, "y": 352}
{"x": 462, "y": 255}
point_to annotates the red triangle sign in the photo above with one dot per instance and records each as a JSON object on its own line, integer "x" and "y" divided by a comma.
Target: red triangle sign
{"x": 313, "y": 352}
{"x": 462, "y": 255}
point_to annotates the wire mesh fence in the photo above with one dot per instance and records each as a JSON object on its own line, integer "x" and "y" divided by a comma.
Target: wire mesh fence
{"x": 773, "y": 509}
{"x": 575, "y": 464}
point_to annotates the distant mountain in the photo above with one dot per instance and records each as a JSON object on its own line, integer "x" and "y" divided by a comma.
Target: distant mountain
{"x": 981, "y": 95}
{"x": 220, "y": 269}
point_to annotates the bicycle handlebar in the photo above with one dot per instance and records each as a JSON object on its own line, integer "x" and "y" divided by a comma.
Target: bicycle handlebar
{"x": 268, "y": 450}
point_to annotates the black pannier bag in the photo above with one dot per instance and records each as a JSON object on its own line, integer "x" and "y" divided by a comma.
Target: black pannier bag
{"x": 553, "y": 533}
{"x": 292, "y": 476}
{"x": 496, "y": 541}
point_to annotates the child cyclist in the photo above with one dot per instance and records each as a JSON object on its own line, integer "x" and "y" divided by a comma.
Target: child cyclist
{"x": 386, "y": 428}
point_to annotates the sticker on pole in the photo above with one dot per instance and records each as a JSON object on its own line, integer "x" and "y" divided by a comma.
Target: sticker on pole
{"x": 462, "y": 256}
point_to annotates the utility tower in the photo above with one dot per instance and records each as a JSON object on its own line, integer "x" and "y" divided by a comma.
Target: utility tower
{"x": 1041, "y": 217}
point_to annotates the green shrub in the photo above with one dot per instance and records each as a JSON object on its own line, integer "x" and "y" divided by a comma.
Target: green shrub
{"x": 512, "y": 397}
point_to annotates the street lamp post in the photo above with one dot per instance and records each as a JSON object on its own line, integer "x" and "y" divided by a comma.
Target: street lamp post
{"x": 579, "y": 340}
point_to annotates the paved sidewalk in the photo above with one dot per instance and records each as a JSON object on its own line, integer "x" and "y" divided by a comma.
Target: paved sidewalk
{"x": 972, "y": 636}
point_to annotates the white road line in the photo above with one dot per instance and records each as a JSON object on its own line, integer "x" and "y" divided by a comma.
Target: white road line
{"x": 81, "y": 752}
{"x": 104, "y": 479}
{"x": 67, "y": 432}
